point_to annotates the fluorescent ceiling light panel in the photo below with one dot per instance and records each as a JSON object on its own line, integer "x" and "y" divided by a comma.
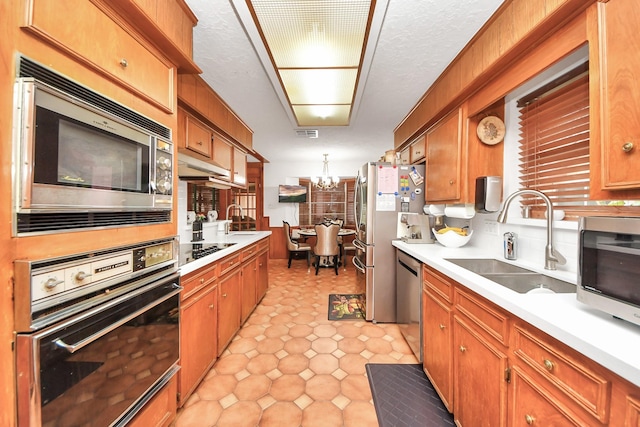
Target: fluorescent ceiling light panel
{"x": 314, "y": 51}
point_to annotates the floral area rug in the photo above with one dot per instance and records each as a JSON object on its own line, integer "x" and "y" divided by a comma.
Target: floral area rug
{"x": 346, "y": 307}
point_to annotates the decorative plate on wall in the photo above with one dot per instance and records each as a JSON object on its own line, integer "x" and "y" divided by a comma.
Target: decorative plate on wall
{"x": 491, "y": 130}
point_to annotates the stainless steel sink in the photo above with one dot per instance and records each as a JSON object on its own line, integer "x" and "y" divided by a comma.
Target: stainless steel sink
{"x": 487, "y": 266}
{"x": 515, "y": 278}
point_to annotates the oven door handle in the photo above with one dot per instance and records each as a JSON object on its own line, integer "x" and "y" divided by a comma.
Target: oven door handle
{"x": 72, "y": 348}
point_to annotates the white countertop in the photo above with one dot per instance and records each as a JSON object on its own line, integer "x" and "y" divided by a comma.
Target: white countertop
{"x": 242, "y": 239}
{"x": 613, "y": 343}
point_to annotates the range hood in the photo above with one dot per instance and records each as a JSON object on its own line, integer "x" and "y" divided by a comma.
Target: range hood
{"x": 198, "y": 171}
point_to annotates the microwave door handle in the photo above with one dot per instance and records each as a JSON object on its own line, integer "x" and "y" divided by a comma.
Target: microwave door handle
{"x": 72, "y": 348}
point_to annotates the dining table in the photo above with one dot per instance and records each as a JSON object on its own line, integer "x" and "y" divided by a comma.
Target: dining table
{"x": 311, "y": 232}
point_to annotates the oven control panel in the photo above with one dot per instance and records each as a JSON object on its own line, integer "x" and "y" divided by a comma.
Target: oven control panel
{"x": 44, "y": 286}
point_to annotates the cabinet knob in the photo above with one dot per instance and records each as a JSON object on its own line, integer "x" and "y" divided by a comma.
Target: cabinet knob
{"x": 199, "y": 142}
{"x": 441, "y": 326}
{"x": 529, "y": 419}
{"x": 224, "y": 295}
{"x": 463, "y": 349}
{"x": 451, "y": 182}
{"x": 548, "y": 364}
{"x": 627, "y": 147}
{"x": 211, "y": 306}
{"x": 124, "y": 62}
{"x": 202, "y": 280}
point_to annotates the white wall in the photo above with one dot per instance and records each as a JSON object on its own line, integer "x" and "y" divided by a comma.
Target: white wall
{"x": 276, "y": 173}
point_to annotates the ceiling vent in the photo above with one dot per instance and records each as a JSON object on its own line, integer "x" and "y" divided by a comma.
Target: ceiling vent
{"x": 307, "y": 133}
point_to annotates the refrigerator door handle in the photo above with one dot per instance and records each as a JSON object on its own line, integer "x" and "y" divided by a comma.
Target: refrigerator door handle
{"x": 356, "y": 192}
{"x": 358, "y": 264}
{"x": 359, "y": 245}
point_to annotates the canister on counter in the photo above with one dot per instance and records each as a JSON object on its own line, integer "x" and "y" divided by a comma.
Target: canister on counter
{"x": 510, "y": 245}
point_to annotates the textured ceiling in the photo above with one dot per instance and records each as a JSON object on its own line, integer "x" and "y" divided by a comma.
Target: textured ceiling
{"x": 419, "y": 38}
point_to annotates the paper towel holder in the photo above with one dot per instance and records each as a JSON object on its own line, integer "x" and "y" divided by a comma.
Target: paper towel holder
{"x": 488, "y": 193}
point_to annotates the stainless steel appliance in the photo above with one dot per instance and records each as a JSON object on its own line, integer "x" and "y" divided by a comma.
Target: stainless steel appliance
{"x": 382, "y": 190}
{"x": 84, "y": 161}
{"x": 97, "y": 334}
{"x": 409, "y": 300}
{"x": 609, "y": 265}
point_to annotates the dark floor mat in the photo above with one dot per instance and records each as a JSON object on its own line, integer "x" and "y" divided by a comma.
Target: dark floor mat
{"x": 404, "y": 397}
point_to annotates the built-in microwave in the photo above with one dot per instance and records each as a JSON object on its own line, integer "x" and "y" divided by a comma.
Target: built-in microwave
{"x": 609, "y": 265}
{"x": 82, "y": 160}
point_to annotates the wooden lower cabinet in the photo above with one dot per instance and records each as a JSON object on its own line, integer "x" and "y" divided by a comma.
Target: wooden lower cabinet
{"x": 198, "y": 339}
{"x": 161, "y": 410}
{"x": 479, "y": 377}
{"x": 263, "y": 272}
{"x": 229, "y": 306}
{"x": 249, "y": 287}
{"x": 438, "y": 361}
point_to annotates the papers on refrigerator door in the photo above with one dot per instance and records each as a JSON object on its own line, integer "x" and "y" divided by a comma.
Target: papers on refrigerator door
{"x": 385, "y": 202}
{"x": 387, "y": 180}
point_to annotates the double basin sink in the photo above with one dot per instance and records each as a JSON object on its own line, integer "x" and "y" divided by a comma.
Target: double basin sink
{"x": 516, "y": 278}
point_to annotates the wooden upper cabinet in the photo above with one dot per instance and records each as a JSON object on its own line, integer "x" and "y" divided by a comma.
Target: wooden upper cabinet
{"x": 109, "y": 47}
{"x": 417, "y": 150}
{"x": 239, "y": 167}
{"x": 199, "y": 96}
{"x": 443, "y": 160}
{"x": 222, "y": 152}
{"x": 198, "y": 137}
{"x": 620, "y": 104}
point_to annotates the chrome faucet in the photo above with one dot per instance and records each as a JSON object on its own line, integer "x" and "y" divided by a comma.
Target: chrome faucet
{"x": 551, "y": 255}
{"x": 227, "y": 224}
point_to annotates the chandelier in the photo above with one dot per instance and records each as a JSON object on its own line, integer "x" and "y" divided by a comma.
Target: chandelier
{"x": 325, "y": 182}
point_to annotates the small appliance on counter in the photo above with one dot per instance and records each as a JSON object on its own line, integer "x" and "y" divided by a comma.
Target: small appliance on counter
{"x": 415, "y": 227}
{"x": 197, "y": 231}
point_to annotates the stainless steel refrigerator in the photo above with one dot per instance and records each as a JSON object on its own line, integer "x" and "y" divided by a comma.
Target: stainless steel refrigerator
{"x": 382, "y": 190}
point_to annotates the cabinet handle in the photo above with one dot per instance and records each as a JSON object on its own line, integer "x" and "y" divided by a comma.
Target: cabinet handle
{"x": 211, "y": 306}
{"x": 627, "y": 147}
{"x": 224, "y": 295}
{"x": 199, "y": 142}
{"x": 124, "y": 62}
{"x": 202, "y": 280}
{"x": 529, "y": 419}
{"x": 463, "y": 349}
{"x": 451, "y": 182}
{"x": 548, "y": 364}
{"x": 441, "y": 326}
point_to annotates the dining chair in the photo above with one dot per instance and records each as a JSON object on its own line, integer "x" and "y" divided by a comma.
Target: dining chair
{"x": 327, "y": 244}
{"x": 294, "y": 247}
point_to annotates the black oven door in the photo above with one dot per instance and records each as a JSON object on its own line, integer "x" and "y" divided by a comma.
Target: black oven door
{"x": 94, "y": 369}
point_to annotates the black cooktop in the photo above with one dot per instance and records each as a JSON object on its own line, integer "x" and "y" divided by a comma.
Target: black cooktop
{"x": 193, "y": 251}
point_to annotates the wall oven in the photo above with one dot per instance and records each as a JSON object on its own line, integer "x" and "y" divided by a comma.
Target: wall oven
{"x": 83, "y": 161}
{"x": 609, "y": 266}
{"x": 97, "y": 334}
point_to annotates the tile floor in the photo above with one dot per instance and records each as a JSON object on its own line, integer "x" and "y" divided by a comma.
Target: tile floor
{"x": 290, "y": 366}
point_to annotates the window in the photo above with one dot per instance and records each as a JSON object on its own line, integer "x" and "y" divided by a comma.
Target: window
{"x": 554, "y": 148}
{"x": 336, "y": 203}
{"x": 247, "y": 199}
{"x": 202, "y": 199}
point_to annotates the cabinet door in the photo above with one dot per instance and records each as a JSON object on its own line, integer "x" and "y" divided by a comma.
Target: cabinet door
{"x": 480, "y": 388}
{"x": 229, "y": 297}
{"x": 239, "y": 167}
{"x": 405, "y": 156}
{"x": 437, "y": 337}
{"x": 443, "y": 160}
{"x": 532, "y": 405}
{"x": 263, "y": 275}
{"x": 417, "y": 150}
{"x": 222, "y": 152}
{"x": 249, "y": 285}
{"x": 198, "y": 339}
{"x": 198, "y": 137}
{"x": 620, "y": 73}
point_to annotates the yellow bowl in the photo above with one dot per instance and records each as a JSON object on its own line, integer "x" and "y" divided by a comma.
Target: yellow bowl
{"x": 451, "y": 239}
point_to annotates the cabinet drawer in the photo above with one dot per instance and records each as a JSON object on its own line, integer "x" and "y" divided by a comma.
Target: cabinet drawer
{"x": 263, "y": 245}
{"x": 109, "y": 47}
{"x": 229, "y": 263}
{"x": 418, "y": 150}
{"x": 198, "y": 137}
{"x": 484, "y": 314}
{"x": 437, "y": 283}
{"x": 198, "y": 279}
{"x": 249, "y": 252}
{"x": 574, "y": 375}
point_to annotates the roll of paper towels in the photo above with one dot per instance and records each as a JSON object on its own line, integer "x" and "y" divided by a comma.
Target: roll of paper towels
{"x": 464, "y": 212}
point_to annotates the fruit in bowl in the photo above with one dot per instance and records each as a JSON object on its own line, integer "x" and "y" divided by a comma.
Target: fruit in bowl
{"x": 453, "y": 237}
